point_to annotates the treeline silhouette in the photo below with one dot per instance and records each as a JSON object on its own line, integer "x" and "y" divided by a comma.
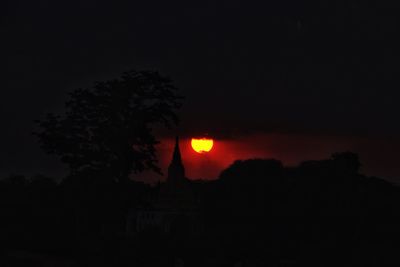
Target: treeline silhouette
{"x": 320, "y": 213}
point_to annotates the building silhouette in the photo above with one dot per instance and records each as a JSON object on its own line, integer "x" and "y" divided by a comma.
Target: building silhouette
{"x": 176, "y": 170}
{"x": 172, "y": 207}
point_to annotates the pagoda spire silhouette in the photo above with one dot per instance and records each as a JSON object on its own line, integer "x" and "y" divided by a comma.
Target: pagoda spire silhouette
{"x": 176, "y": 170}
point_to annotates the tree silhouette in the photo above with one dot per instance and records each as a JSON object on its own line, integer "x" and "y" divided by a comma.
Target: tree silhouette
{"x": 347, "y": 161}
{"x": 108, "y": 127}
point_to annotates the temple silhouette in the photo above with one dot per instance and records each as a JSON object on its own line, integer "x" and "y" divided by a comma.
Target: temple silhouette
{"x": 172, "y": 206}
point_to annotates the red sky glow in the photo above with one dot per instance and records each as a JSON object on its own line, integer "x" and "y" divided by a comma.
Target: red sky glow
{"x": 290, "y": 149}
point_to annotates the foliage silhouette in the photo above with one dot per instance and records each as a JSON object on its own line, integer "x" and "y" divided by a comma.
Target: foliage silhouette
{"x": 108, "y": 127}
{"x": 326, "y": 208}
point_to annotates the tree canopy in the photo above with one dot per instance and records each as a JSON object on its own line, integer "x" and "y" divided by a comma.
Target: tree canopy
{"x": 109, "y": 126}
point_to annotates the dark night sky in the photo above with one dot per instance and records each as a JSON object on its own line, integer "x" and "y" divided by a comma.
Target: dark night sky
{"x": 319, "y": 75}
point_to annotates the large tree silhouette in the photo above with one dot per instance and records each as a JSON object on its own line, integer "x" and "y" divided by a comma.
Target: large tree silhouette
{"x": 109, "y": 127}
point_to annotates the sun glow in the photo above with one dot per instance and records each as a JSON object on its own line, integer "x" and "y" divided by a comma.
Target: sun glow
{"x": 202, "y": 145}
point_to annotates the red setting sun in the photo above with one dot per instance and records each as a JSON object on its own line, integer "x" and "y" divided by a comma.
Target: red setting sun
{"x": 202, "y": 145}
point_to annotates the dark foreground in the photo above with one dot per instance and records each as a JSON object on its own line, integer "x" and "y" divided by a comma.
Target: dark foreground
{"x": 258, "y": 213}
